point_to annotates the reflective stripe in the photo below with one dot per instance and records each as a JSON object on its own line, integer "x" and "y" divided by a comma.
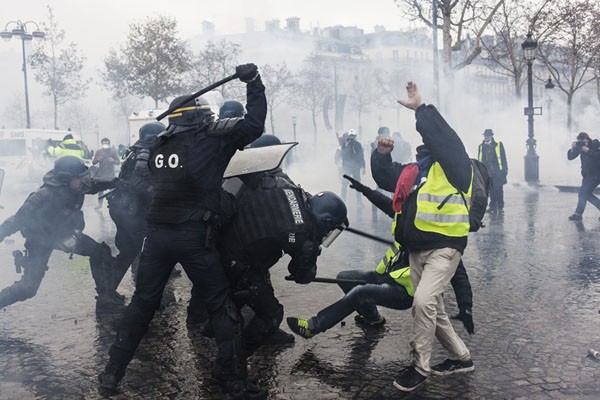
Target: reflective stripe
{"x": 453, "y": 199}
{"x": 444, "y": 218}
{"x": 440, "y": 207}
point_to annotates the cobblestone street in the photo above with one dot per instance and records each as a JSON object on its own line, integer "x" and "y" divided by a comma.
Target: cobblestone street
{"x": 535, "y": 278}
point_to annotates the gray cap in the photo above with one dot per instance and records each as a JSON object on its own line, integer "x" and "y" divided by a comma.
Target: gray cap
{"x": 488, "y": 132}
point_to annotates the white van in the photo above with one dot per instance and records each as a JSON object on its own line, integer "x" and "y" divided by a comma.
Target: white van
{"x": 23, "y": 151}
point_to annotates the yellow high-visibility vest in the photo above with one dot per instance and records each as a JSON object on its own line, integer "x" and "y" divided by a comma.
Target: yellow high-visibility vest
{"x": 441, "y": 208}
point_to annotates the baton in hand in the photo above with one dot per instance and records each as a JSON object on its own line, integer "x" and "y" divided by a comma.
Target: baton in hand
{"x": 331, "y": 280}
{"x": 198, "y": 93}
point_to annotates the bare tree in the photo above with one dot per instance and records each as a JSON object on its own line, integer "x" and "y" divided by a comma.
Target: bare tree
{"x": 571, "y": 47}
{"x": 364, "y": 96}
{"x": 152, "y": 62}
{"x": 214, "y": 63}
{"x": 457, "y": 19}
{"x": 58, "y": 67}
{"x": 503, "y": 52}
{"x": 314, "y": 83}
{"x": 279, "y": 83}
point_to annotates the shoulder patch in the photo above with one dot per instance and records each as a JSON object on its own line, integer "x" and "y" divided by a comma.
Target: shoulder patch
{"x": 223, "y": 126}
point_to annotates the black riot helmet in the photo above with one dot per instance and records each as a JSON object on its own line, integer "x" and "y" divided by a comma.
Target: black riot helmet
{"x": 193, "y": 112}
{"x": 231, "y": 109}
{"x": 331, "y": 214}
{"x": 151, "y": 129}
{"x": 69, "y": 167}
{"x": 265, "y": 140}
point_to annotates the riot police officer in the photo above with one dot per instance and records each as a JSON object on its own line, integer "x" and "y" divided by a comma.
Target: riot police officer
{"x": 293, "y": 223}
{"x": 130, "y": 201}
{"x": 187, "y": 165}
{"x": 51, "y": 218}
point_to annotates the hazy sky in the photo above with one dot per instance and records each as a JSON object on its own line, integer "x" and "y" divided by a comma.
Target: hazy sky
{"x": 99, "y": 25}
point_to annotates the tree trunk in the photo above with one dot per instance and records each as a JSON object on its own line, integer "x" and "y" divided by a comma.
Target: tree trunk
{"x": 314, "y": 122}
{"x": 272, "y": 122}
{"x": 55, "y": 111}
{"x": 569, "y": 111}
{"x": 517, "y": 82}
{"x": 447, "y": 42}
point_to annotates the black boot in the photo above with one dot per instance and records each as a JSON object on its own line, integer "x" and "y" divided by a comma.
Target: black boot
{"x": 112, "y": 375}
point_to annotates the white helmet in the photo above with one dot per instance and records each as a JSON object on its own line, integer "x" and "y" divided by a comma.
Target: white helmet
{"x": 352, "y": 133}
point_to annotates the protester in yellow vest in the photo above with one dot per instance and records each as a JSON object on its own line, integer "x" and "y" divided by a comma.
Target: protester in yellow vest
{"x": 491, "y": 153}
{"x": 432, "y": 201}
{"x": 68, "y": 147}
{"x": 389, "y": 285}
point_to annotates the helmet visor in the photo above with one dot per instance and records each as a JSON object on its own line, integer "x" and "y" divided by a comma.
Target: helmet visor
{"x": 332, "y": 235}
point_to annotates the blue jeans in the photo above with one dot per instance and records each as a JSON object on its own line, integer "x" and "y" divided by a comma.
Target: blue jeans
{"x": 586, "y": 193}
{"x": 380, "y": 290}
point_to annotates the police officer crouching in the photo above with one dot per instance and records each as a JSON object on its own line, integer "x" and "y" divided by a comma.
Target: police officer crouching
{"x": 187, "y": 165}
{"x": 51, "y": 219}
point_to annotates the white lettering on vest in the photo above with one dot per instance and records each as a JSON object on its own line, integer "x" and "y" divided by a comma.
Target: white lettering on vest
{"x": 294, "y": 207}
{"x": 172, "y": 161}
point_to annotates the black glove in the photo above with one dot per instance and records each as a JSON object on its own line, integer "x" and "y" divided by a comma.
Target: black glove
{"x": 305, "y": 276}
{"x": 356, "y": 185}
{"x": 466, "y": 316}
{"x": 247, "y": 72}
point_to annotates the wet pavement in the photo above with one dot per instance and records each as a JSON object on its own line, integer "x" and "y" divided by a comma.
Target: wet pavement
{"x": 535, "y": 278}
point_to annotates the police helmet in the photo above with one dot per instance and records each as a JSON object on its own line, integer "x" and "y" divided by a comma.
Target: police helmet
{"x": 69, "y": 167}
{"x": 331, "y": 214}
{"x": 265, "y": 140}
{"x": 231, "y": 109}
{"x": 193, "y": 112}
{"x": 151, "y": 129}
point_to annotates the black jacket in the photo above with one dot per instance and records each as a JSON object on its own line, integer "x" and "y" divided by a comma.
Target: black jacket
{"x": 51, "y": 213}
{"x": 445, "y": 147}
{"x": 490, "y": 160}
{"x": 190, "y": 184}
{"x": 590, "y": 161}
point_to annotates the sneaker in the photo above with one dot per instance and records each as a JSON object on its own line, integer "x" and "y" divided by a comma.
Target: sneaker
{"x": 409, "y": 379}
{"x": 359, "y": 319}
{"x": 300, "y": 327}
{"x": 278, "y": 337}
{"x": 450, "y": 367}
{"x": 575, "y": 217}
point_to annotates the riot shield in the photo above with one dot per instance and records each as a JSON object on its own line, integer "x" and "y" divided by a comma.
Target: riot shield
{"x": 259, "y": 159}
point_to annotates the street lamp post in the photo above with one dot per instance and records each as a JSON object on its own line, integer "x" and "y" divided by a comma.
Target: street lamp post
{"x": 532, "y": 171}
{"x": 294, "y": 126}
{"x": 20, "y": 31}
{"x": 549, "y": 86}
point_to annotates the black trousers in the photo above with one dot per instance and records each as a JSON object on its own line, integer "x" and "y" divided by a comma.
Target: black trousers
{"x": 36, "y": 265}
{"x": 166, "y": 245}
{"x": 131, "y": 230}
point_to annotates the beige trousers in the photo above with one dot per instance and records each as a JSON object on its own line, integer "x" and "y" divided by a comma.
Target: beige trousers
{"x": 431, "y": 271}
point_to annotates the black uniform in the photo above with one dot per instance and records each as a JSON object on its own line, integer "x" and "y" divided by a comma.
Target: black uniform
{"x": 51, "y": 218}
{"x": 129, "y": 203}
{"x": 187, "y": 166}
{"x": 273, "y": 218}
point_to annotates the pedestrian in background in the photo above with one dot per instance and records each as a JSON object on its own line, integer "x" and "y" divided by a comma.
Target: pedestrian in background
{"x": 353, "y": 162}
{"x": 491, "y": 153}
{"x": 589, "y": 152}
{"x": 107, "y": 159}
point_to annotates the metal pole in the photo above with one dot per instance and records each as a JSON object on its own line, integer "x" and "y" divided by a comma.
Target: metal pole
{"x": 26, "y": 88}
{"x": 531, "y": 158}
{"x": 436, "y": 69}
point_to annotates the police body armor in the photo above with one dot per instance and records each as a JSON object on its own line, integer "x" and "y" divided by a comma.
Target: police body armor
{"x": 275, "y": 208}
{"x": 176, "y": 199}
